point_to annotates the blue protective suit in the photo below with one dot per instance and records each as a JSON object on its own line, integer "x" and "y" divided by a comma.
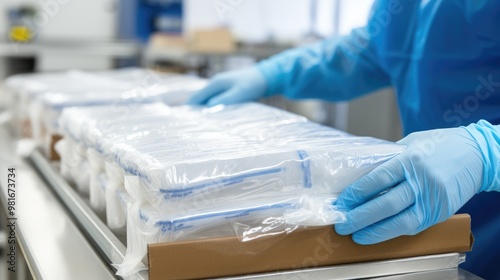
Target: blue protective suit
{"x": 442, "y": 58}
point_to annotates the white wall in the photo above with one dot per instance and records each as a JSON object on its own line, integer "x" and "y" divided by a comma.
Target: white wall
{"x": 354, "y": 13}
{"x": 284, "y": 20}
{"x": 251, "y": 20}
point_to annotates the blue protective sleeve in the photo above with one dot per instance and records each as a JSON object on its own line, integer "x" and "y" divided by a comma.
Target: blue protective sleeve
{"x": 487, "y": 137}
{"x": 335, "y": 69}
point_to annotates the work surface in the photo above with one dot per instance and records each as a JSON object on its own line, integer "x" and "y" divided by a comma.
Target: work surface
{"x": 53, "y": 245}
{"x": 61, "y": 245}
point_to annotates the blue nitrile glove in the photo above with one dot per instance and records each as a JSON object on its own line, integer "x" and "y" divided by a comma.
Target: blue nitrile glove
{"x": 231, "y": 88}
{"x": 426, "y": 184}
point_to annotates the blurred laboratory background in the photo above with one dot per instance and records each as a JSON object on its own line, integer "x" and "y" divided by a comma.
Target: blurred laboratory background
{"x": 195, "y": 37}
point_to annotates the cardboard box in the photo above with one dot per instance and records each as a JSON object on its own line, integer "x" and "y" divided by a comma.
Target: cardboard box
{"x": 216, "y": 41}
{"x": 201, "y": 41}
{"x": 167, "y": 41}
{"x": 306, "y": 248}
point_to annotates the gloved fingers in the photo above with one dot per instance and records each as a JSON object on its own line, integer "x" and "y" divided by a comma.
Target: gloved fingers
{"x": 405, "y": 223}
{"x": 216, "y": 86}
{"x": 386, "y": 205}
{"x": 381, "y": 178}
{"x": 232, "y": 96}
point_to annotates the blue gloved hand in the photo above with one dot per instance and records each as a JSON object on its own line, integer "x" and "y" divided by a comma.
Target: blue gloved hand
{"x": 426, "y": 184}
{"x": 231, "y": 88}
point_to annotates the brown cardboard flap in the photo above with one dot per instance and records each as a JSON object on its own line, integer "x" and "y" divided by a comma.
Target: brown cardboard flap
{"x": 311, "y": 247}
{"x": 53, "y": 155}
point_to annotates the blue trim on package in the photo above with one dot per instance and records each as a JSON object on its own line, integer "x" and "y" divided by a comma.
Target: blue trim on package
{"x": 179, "y": 224}
{"x": 305, "y": 164}
{"x": 226, "y": 181}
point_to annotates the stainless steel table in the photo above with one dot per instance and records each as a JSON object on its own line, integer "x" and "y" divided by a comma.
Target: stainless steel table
{"x": 61, "y": 238}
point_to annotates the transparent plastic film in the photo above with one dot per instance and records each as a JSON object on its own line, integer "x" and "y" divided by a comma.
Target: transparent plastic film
{"x": 168, "y": 174}
{"x": 39, "y": 98}
{"x": 97, "y": 181}
{"x": 116, "y": 177}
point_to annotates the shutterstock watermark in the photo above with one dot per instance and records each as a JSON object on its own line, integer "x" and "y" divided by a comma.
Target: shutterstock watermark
{"x": 48, "y": 9}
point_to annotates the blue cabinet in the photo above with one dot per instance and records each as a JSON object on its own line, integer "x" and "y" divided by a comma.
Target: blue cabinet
{"x": 140, "y": 18}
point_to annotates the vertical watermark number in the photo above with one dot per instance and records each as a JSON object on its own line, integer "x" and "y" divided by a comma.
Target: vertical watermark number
{"x": 11, "y": 219}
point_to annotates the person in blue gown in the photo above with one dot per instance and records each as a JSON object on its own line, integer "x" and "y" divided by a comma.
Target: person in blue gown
{"x": 443, "y": 59}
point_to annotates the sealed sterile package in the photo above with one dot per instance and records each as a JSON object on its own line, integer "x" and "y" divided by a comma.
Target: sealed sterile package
{"x": 212, "y": 182}
{"x": 75, "y": 128}
{"x": 115, "y": 184}
{"x": 146, "y": 225}
{"x": 97, "y": 182}
{"x": 81, "y": 171}
{"x": 192, "y": 172}
{"x": 180, "y": 119}
{"x": 41, "y": 97}
{"x": 119, "y": 214}
{"x": 77, "y": 133}
{"x": 23, "y": 88}
{"x": 71, "y": 157}
{"x": 46, "y": 108}
{"x": 181, "y": 167}
{"x": 27, "y": 86}
{"x": 74, "y": 165}
{"x": 173, "y": 181}
{"x": 139, "y": 122}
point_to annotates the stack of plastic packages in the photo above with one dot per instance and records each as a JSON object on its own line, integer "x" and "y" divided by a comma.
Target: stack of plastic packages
{"x": 175, "y": 173}
{"x": 38, "y": 99}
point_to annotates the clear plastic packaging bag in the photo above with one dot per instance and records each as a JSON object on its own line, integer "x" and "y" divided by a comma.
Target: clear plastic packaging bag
{"x": 145, "y": 225}
{"x": 125, "y": 201}
{"x": 190, "y": 172}
{"x": 116, "y": 183}
{"x": 203, "y": 183}
{"x": 41, "y": 97}
{"x": 24, "y": 88}
{"x": 97, "y": 182}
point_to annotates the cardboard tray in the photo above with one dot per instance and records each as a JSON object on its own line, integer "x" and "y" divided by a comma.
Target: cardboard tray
{"x": 305, "y": 248}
